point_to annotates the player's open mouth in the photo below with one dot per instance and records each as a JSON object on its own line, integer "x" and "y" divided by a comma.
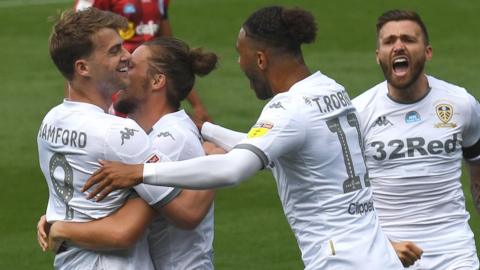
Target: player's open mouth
{"x": 400, "y": 66}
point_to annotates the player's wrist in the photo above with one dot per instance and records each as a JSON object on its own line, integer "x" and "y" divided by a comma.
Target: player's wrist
{"x": 56, "y": 237}
{"x": 57, "y": 231}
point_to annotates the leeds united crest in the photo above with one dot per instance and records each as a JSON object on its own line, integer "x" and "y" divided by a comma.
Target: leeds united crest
{"x": 444, "y": 113}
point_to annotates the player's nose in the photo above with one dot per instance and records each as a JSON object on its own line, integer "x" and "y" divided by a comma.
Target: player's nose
{"x": 126, "y": 56}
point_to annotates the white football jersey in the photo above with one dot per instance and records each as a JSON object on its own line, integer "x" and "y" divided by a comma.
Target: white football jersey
{"x": 172, "y": 248}
{"x": 72, "y": 138}
{"x": 414, "y": 157}
{"x": 310, "y": 138}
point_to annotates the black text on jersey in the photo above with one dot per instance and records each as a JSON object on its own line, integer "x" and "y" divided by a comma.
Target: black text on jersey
{"x": 64, "y": 136}
{"x": 413, "y": 147}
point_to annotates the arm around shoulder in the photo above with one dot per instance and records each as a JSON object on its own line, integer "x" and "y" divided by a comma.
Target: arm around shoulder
{"x": 117, "y": 231}
{"x": 206, "y": 172}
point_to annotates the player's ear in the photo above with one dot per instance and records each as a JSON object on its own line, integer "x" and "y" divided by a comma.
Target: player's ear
{"x": 262, "y": 60}
{"x": 376, "y": 56}
{"x": 159, "y": 81}
{"x": 428, "y": 52}
{"x": 81, "y": 67}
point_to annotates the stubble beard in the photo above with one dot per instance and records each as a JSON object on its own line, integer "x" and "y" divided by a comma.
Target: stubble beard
{"x": 125, "y": 106}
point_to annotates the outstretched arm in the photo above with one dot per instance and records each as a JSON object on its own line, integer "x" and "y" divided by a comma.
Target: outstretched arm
{"x": 206, "y": 172}
{"x": 223, "y": 137}
{"x": 117, "y": 231}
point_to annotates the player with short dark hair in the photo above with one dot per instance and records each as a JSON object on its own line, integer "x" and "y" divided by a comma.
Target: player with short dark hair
{"x": 417, "y": 128}
{"x": 307, "y": 135}
{"x": 87, "y": 50}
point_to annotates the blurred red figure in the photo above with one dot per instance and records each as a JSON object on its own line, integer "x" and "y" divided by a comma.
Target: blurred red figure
{"x": 147, "y": 19}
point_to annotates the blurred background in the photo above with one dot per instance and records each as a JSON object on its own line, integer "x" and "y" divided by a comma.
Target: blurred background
{"x": 250, "y": 229}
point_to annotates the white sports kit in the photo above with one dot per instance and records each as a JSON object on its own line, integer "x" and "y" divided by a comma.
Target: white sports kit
{"x": 172, "y": 248}
{"x": 72, "y": 138}
{"x": 309, "y": 137}
{"x": 414, "y": 156}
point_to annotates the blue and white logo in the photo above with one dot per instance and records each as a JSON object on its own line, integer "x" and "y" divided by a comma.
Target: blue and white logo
{"x": 412, "y": 117}
{"x": 129, "y": 9}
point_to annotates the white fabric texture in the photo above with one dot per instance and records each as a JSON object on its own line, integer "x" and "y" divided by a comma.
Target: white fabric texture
{"x": 222, "y": 137}
{"x": 309, "y": 137}
{"x": 414, "y": 157}
{"x": 172, "y": 248}
{"x": 214, "y": 171}
{"x": 72, "y": 138}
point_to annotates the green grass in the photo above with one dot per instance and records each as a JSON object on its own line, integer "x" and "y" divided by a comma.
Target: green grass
{"x": 251, "y": 231}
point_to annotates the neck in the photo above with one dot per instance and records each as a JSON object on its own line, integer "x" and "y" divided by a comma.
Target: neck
{"x": 148, "y": 113}
{"x": 412, "y": 93}
{"x": 287, "y": 73}
{"x": 87, "y": 93}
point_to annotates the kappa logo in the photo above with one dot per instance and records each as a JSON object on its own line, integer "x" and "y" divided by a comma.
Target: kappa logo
{"x": 276, "y": 105}
{"x": 444, "y": 113}
{"x": 165, "y": 134}
{"x": 127, "y": 134}
{"x": 382, "y": 121}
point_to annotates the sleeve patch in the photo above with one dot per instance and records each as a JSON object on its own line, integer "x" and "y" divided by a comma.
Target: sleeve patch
{"x": 259, "y": 130}
{"x": 153, "y": 159}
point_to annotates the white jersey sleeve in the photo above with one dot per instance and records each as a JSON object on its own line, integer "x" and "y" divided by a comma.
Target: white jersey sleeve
{"x": 471, "y": 134}
{"x": 126, "y": 143}
{"x": 223, "y": 137}
{"x": 157, "y": 196}
{"x": 278, "y": 130}
{"x": 206, "y": 172}
{"x": 177, "y": 143}
{"x": 123, "y": 144}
